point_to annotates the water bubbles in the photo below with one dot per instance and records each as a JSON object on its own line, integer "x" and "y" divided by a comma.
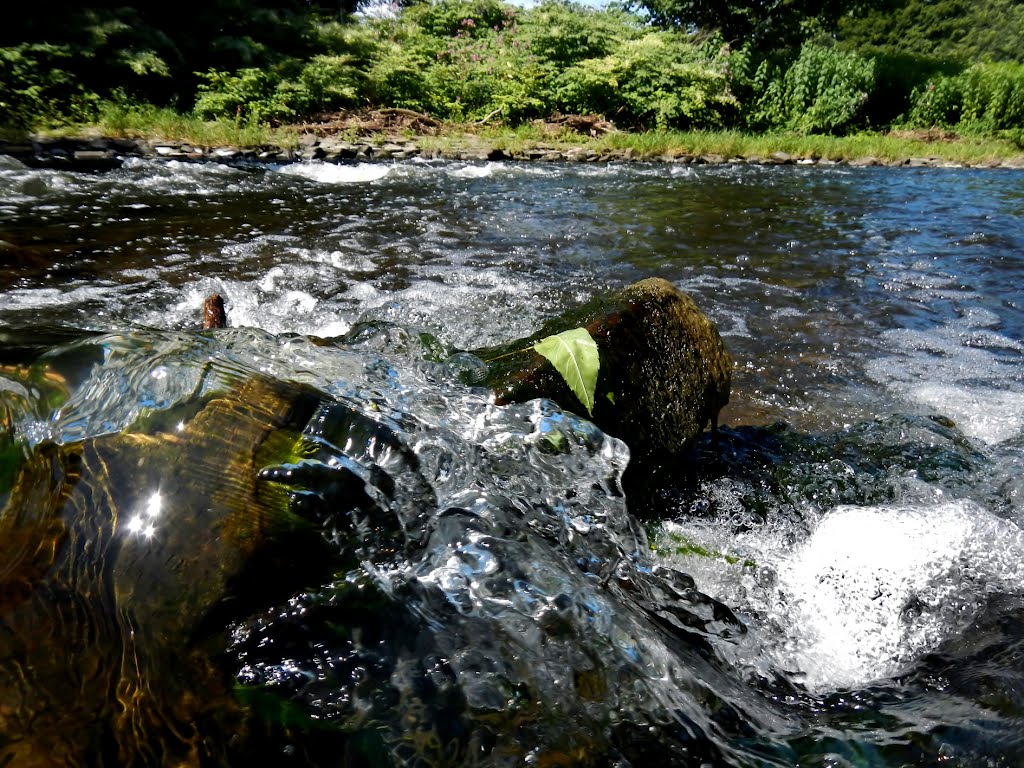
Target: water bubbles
{"x": 866, "y": 592}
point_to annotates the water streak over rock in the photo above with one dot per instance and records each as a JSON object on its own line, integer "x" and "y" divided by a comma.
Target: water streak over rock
{"x": 390, "y": 567}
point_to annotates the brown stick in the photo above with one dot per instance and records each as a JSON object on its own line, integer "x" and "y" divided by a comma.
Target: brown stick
{"x": 213, "y": 312}
{"x": 409, "y": 113}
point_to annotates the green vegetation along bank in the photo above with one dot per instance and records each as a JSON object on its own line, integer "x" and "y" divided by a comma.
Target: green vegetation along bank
{"x": 223, "y": 141}
{"x": 655, "y": 70}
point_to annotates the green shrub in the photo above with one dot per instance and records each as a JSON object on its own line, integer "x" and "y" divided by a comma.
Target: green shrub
{"x": 262, "y": 96}
{"x": 983, "y": 99}
{"x": 476, "y": 74}
{"x": 325, "y": 83}
{"x": 564, "y": 33}
{"x": 247, "y": 93}
{"x": 37, "y": 86}
{"x": 448, "y": 18}
{"x": 897, "y": 78}
{"x": 825, "y": 90}
{"x": 398, "y": 79}
{"x": 660, "y": 80}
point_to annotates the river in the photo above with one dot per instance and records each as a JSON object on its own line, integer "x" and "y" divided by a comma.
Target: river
{"x": 838, "y": 581}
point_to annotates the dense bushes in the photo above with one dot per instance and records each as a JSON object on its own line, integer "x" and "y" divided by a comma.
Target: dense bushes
{"x": 986, "y": 98}
{"x": 37, "y": 84}
{"x": 825, "y": 90}
{"x": 964, "y": 31}
{"x": 267, "y": 96}
{"x": 659, "y": 80}
{"x": 276, "y": 61}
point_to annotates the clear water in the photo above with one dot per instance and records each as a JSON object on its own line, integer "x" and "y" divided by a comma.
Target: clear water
{"x": 854, "y": 539}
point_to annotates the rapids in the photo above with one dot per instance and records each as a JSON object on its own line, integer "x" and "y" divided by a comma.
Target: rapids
{"x": 839, "y": 580}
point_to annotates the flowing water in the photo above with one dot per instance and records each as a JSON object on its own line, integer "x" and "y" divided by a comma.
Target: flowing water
{"x": 838, "y": 581}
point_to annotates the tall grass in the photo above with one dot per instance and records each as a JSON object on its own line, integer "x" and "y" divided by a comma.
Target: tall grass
{"x": 145, "y": 120}
{"x": 728, "y": 144}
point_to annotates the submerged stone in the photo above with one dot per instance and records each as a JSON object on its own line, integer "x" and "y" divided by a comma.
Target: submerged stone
{"x": 123, "y": 555}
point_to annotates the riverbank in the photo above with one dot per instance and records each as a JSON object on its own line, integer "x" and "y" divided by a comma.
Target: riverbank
{"x": 410, "y": 136}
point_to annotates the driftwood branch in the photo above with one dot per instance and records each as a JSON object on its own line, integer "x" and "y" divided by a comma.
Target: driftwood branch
{"x": 488, "y": 117}
{"x": 427, "y": 119}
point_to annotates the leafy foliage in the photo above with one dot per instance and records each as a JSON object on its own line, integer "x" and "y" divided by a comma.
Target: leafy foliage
{"x": 773, "y": 66}
{"x": 983, "y": 99}
{"x": 574, "y": 355}
{"x": 763, "y": 24}
{"x": 965, "y": 31}
{"x": 36, "y": 83}
{"x": 825, "y": 90}
{"x": 657, "y": 80}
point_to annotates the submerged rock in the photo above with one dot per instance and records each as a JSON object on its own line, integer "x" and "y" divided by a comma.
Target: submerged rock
{"x": 665, "y": 373}
{"x": 201, "y": 565}
{"x": 122, "y": 555}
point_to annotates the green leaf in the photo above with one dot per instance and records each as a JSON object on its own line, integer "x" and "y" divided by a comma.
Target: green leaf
{"x": 574, "y": 355}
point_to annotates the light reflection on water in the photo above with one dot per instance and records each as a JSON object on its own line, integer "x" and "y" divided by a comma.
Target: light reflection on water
{"x": 865, "y": 309}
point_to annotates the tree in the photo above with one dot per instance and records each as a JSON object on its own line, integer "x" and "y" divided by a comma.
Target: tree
{"x": 764, "y": 24}
{"x": 965, "y": 31}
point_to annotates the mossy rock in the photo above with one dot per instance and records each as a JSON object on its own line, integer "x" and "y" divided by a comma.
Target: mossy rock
{"x": 123, "y": 559}
{"x": 665, "y": 372}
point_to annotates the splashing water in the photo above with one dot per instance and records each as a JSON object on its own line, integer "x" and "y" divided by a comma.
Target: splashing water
{"x": 856, "y": 591}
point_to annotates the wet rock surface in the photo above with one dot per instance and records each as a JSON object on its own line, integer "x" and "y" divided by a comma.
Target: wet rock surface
{"x": 124, "y": 556}
{"x": 665, "y": 373}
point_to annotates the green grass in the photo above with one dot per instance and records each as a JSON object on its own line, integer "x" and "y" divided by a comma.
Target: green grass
{"x": 144, "y": 121}
{"x": 147, "y": 121}
{"x": 655, "y": 145}
{"x": 885, "y": 147}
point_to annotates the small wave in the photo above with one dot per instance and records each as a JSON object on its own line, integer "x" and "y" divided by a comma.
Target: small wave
{"x": 476, "y": 171}
{"x": 868, "y": 591}
{"x": 990, "y": 415}
{"x": 330, "y": 173}
{"x": 962, "y": 369}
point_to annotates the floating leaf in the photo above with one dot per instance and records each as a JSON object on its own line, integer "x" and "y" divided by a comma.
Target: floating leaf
{"x": 574, "y": 355}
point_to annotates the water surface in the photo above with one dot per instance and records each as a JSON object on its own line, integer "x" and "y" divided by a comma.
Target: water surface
{"x": 854, "y": 539}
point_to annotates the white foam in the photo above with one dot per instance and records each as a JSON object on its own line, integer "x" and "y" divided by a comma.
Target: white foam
{"x": 990, "y": 415}
{"x": 331, "y": 173}
{"x": 475, "y": 171}
{"x": 865, "y": 593}
{"x": 873, "y": 588}
{"x": 963, "y": 369}
{"x": 43, "y": 298}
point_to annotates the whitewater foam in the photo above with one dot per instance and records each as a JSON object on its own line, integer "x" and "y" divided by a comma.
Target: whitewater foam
{"x": 866, "y": 593}
{"x": 331, "y": 173}
{"x": 475, "y": 171}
